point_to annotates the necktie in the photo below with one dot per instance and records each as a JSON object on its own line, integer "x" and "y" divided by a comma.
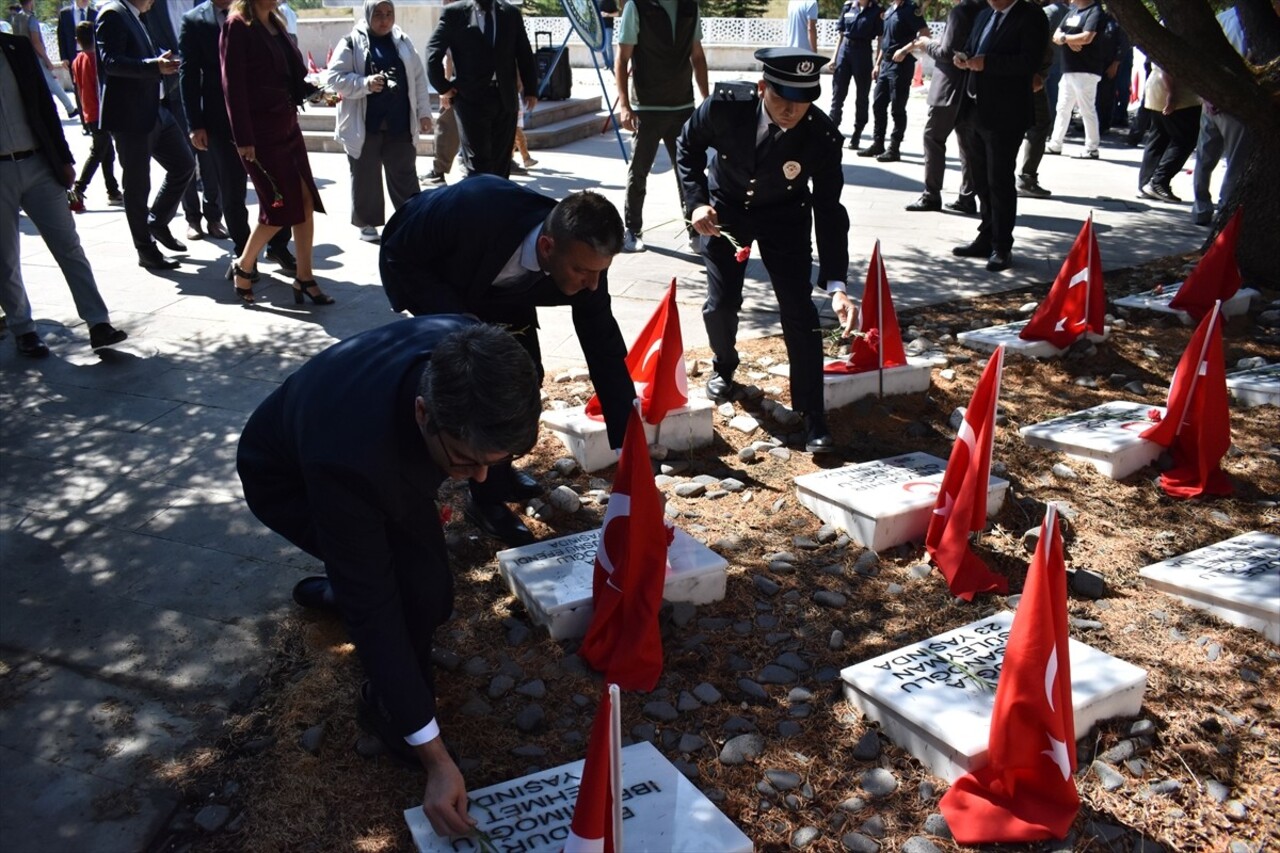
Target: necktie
{"x": 490, "y": 31}
{"x": 770, "y": 136}
{"x": 971, "y": 80}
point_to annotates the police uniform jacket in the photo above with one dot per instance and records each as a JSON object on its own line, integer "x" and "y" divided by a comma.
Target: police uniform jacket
{"x": 859, "y": 27}
{"x": 801, "y": 171}
{"x": 901, "y": 25}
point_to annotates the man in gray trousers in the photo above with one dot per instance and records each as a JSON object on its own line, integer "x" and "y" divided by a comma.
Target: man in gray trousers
{"x": 944, "y": 107}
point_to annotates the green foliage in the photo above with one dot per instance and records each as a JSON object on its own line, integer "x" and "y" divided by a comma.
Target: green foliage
{"x": 734, "y": 8}
{"x": 542, "y": 8}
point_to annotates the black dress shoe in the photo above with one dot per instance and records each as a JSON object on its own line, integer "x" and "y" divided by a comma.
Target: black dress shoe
{"x": 925, "y": 202}
{"x": 890, "y": 155}
{"x": 164, "y": 238}
{"x": 721, "y": 390}
{"x": 498, "y": 520}
{"x": 972, "y": 250}
{"x": 30, "y": 345}
{"x": 150, "y": 258}
{"x": 523, "y": 486}
{"x": 818, "y": 438}
{"x": 105, "y": 335}
{"x": 315, "y": 593}
{"x": 875, "y": 149}
{"x": 217, "y": 232}
{"x": 372, "y": 716}
{"x": 288, "y": 263}
{"x": 999, "y": 261}
{"x": 962, "y": 205}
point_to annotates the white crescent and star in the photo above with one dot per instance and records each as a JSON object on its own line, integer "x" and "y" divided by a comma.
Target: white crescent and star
{"x": 619, "y": 507}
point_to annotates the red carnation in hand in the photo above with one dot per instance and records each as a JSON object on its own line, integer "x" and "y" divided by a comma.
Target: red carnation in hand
{"x": 742, "y": 254}
{"x": 446, "y": 515}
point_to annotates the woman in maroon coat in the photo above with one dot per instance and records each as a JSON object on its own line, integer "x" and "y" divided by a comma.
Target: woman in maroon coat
{"x": 265, "y": 82}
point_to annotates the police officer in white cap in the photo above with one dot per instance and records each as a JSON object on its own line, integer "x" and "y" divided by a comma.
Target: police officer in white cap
{"x": 775, "y": 174}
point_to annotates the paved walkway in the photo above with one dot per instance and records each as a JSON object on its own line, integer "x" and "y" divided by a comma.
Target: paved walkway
{"x": 139, "y": 593}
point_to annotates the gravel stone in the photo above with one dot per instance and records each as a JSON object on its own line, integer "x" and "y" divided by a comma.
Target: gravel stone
{"x": 530, "y": 718}
{"x": 1107, "y": 775}
{"x": 789, "y": 728}
{"x": 311, "y": 739}
{"x": 690, "y": 490}
{"x": 747, "y": 454}
{"x": 828, "y": 598}
{"x": 856, "y": 842}
{"x": 867, "y": 565}
{"x": 690, "y": 743}
{"x": 920, "y": 844}
{"x": 744, "y": 424}
{"x": 765, "y": 586}
{"x": 836, "y": 643}
{"x": 783, "y": 780}
{"x": 565, "y": 499}
{"x": 500, "y": 686}
{"x": 775, "y": 674}
{"x": 687, "y": 702}
{"x": 1122, "y": 750}
{"x": 212, "y": 817}
{"x": 868, "y": 746}
{"x": 804, "y": 836}
{"x": 793, "y": 661}
{"x": 475, "y": 707}
{"x": 706, "y": 693}
{"x": 878, "y": 782}
{"x": 936, "y": 825}
{"x": 565, "y": 466}
{"x": 1235, "y": 809}
{"x": 535, "y": 689}
{"x": 662, "y": 711}
{"x": 1088, "y": 584}
{"x": 368, "y": 746}
{"x": 753, "y": 689}
{"x": 1220, "y": 792}
{"x": 740, "y": 749}
{"x": 1064, "y": 472}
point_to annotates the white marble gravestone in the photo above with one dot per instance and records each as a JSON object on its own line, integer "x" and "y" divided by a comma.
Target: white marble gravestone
{"x": 841, "y": 389}
{"x": 1257, "y": 387}
{"x": 662, "y": 812}
{"x": 884, "y": 502}
{"x": 1106, "y": 436}
{"x": 941, "y": 714}
{"x": 552, "y": 578}
{"x": 1237, "y": 580}
{"x": 587, "y": 439}
{"x": 1159, "y": 302}
{"x": 986, "y": 340}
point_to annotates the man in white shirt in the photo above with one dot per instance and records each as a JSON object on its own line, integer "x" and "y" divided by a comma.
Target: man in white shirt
{"x": 802, "y": 25}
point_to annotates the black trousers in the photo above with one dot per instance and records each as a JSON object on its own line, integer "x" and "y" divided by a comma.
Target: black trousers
{"x": 854, "y": 64}
{"x": 487, "y": 133}
{"x": 226, "y": 170}
{"x": 1170, "y": 142}
{"x": 102, "y": 153}
{"x": 993, "y": 157}
{"x": 892, "y": 88}
{"x": 168, "y": 145}
{"x": 785, "y": 250}
{"x": 1037, "y": 135}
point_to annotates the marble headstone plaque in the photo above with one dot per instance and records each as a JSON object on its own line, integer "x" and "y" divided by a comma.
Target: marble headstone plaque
{"x": 841, "y": 389}
{"x": 1159, "y": 302}
{"x": 662, "y": 812}
{"x": 884, "y": 502}
{"x": 1106, "y": 436}
{"x": 986, "y": 340}
{"x": 1257, "y": 387}
{"x": 934, "y": 698}
{"x": 552, "y": 578}
{"x": 587, "y": 439}
{"x": 1237, "y": 580}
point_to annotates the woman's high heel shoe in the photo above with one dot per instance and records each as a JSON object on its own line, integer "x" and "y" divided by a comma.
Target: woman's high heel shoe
{"x": 305, "y": 287}
{"x": 245, "y": 293}
{"x": 231, "y": 273}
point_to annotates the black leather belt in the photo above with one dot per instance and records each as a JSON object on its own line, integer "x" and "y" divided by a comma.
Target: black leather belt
{"x": 17, "y": 155}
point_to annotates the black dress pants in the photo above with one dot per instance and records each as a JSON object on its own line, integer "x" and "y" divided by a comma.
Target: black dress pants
{"x": 993, "y": 157}
{"x": 486, "y": 131}
{"x": 1170, "y": 142}
{"x": 165, "y": 142}
{"x": 892, "y": 88}
{"x": 783, "y": 239}
{"x": 854, "y": 64}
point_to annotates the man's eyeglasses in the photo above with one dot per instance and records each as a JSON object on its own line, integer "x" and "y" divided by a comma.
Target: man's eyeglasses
{"x": 463, "y": 463}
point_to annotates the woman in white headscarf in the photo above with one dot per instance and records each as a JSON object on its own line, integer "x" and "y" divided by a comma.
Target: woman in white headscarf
{"x": 385, "y": 105}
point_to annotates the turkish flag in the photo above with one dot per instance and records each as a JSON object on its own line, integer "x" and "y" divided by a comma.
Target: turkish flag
{"x": 656, "y": 364}
{"x": 1197, "y": 422}
{"x": 1217, "y": 276}
{"x": 597, "y": 822}
{"x": 1026, "y": 791}
{"x": 962, "y": 500}
{"x": 1076, "y": 303}
{"x": 880, "y": 344}
{"x": 623, "y": 640}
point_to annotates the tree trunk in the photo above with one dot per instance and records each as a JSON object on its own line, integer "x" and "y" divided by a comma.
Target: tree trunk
{"x": 1193, "y": 49}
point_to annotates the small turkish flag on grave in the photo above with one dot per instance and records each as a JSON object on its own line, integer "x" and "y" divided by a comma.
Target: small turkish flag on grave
{"x": 1197, "y": 422}
{"x": 1076, "y": 303}
{"x": 597, "y": 815}
{"x": 656, "y": 364}
{"x": 1217, "y": 276}
{"x": 623, "y": 640}
{"x": 962, "y": 500}
{"x": 1026, "y": 791}
{"x": 880, "y": 343}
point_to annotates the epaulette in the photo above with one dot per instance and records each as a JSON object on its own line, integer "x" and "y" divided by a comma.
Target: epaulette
{"x": 735, "y": 90}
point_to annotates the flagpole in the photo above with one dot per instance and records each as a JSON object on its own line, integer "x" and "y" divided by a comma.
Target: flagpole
{"x": 615, "y": 764}
{"x": 1195, "y": 371}
{"x": 1088, "y": 282}
{"x": 880, "y": 296}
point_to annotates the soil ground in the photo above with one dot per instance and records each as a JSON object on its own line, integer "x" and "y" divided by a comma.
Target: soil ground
{"x": 1214, "y": 719}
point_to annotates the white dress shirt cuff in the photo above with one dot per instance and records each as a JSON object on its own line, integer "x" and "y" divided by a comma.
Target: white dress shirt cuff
{"x": 836, "y": 287}
{"x": 426, "y": 734}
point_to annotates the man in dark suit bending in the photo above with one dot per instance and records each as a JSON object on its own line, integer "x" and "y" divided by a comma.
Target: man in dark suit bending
{"x": 344, "y": 460}
{"x": 489, "y": 46}
{"x": 1004, "y": 52}
{"x": 488, "y": 247}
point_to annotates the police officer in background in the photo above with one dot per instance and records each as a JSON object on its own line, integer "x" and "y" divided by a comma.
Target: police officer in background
{"x": 776, "y": 172}
{"x": 902, "y": 25}
{"x": 859, "y": 25}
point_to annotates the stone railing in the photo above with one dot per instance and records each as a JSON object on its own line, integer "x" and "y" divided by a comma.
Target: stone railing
{"x": 718, "y": 31}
